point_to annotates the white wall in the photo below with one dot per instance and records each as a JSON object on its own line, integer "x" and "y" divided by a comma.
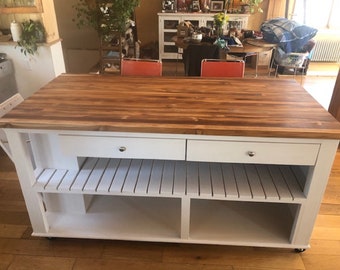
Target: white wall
{"x": 33, "y": 72}
{"x": 80, "y": 46}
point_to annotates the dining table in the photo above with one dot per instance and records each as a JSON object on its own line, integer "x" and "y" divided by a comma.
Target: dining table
{"x": 249, "y": 47}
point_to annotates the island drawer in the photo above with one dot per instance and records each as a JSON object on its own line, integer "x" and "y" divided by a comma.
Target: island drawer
{"x": 252, "y": 152}
{"x": 122, "y": 147}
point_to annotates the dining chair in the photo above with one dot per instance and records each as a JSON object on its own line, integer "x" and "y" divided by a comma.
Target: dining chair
{"x": 292, "y": 61}
{"x": 140, "y": 67}
{"x": 195, "y": 53}
{"x": 334, "y": 105}
{"x": 222, "y": 68}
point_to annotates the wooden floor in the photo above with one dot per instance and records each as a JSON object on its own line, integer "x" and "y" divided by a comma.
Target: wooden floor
{"x": 19, "y": 250}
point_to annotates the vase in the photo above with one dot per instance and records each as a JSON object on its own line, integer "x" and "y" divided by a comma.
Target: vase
{"x": 219, "y": 31}
{"x": 16, "y": 31}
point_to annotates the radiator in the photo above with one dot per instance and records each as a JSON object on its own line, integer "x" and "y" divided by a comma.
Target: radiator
{"x": 326, "y": 51}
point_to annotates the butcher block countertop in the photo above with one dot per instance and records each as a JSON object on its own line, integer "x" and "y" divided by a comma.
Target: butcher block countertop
{"x": 229, "y": 107}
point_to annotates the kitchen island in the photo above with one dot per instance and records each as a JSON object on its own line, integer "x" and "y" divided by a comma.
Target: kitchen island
{"x": 188, "y": 160}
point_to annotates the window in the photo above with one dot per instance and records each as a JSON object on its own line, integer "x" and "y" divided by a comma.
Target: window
{"x": 322, "y": 16}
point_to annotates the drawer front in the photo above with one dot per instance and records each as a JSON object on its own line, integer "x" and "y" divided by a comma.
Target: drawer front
{"x": 119, "y": 147}
{"x": 252, "y": 152}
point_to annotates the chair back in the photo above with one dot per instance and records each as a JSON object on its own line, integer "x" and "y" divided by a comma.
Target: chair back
{"x": 334, "y": 106}
{"x": 195, "y": 53}
{"x": 140, "y": 67}
{"x": 222, "y": 68}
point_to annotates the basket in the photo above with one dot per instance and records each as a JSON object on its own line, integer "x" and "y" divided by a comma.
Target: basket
{"x": 292, "y": 59}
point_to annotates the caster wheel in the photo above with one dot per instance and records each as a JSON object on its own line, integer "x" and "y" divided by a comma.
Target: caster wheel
{"x": 300, "y": 250}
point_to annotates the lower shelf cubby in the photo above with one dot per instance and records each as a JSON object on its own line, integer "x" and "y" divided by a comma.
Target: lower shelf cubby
{"x": 242, "y": 223}
{"x": 120, "y": 217}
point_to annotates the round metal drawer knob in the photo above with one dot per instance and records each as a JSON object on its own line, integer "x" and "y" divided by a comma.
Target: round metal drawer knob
{"x": 251, "y": 153}
{"x": 122, "y": 149}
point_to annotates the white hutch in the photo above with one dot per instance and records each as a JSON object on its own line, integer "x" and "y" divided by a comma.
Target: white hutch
{"x": 168, "y": 22}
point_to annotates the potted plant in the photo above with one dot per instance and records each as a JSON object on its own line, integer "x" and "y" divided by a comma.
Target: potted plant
{"x": 220, "y": 19}
{"x": 251, "y": 6}
{"x": 33, "y": 32}
{"x": 105, "y": 16}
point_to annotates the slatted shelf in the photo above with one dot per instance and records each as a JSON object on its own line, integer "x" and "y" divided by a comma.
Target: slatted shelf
{"x": 166, "y": 178}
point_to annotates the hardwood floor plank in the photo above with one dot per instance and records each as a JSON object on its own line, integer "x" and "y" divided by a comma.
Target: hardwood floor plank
{"x": 326, "y": 233}
{"x": 141, "y": 251}
{"x": 14, "y": 218}
{"x": 12, "y": 231}
{"x": 323, "y": 247}
{"x": 41, "y": 263}
{"x": 37, "y": 247}
{"x": 332, "y": 195}
{"x": 79, "y": 248}
{"x": 328, "y": 221}
{"x": 237, "y": 257}
{"x": 321, "y": 262}
{"x": 106, "y": 264}
{"x": 330, "y": 209}
{"x": 327, "y": 227}
{"x": 5, "y": 261}
{"x": 9, "y": 190}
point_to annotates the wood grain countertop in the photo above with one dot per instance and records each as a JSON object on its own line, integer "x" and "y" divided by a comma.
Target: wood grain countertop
{"x": 232, "y": 107}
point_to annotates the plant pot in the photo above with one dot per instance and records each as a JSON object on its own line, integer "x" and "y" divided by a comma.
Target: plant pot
{"x": 245, "y": 9}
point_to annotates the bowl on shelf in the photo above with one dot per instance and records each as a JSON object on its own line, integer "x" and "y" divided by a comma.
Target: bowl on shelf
{"x": 196, "y": 37}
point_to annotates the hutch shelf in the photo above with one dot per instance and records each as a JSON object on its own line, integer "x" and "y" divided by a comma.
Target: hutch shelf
{"x": 25, "y": 6}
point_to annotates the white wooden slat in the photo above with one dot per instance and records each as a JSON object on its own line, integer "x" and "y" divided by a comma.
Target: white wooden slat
{"x": 144, "y": 177}
{"x": 96, "y": 175}
{"x": 132, "y": 176}
{"x": 168, "y": 177}
{"x": 192, "y": 179}
{"x": 267, "y": 182}
{"x": 84, "y": 174}
{"x": 119, "y": 178}
{"x": 242, "y": 181}
{"x": 254, "y": 182}
{"x": 180, "y": 178}
{"x": 280, "y": 184}
{"x": 229, "y": 181}
{"x": 292, "y": 182}
{"x": 245, "y": 181}
{"x": 55, "y": 180}
{"x": 301, "y": 178}
{"x": 68, "y": 180}
{"x": 217, "y": 180}
{"x": 156, "y": 177}
{"x": 38, "y": 172}
{"x": 107, "y": 178}
{"x": 204, "y": 179}
{"x": 44, "y": 177}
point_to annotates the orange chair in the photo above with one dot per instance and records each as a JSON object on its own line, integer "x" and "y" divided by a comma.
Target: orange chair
{"x": 140, "y": 67}
{"x": 222, "y": 68}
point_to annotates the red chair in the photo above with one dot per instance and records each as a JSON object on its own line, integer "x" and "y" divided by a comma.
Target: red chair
{"x": 140, "y": 67}
{"x": 222, "y": 68}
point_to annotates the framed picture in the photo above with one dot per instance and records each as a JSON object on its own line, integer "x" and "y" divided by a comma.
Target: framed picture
{"x": 216, "y": 5}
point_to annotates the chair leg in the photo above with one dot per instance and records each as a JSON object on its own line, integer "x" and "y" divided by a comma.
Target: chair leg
{"x": 276, "y": 69}
{"x": 257, "y": 64}
{"x": 270, "y": 66}
{"x": 302, "y": 73}
{"x": 271, "y": 63}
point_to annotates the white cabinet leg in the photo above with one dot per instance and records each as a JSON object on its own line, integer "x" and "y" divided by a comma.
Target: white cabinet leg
{"x": 185, "y": 218}
{"x": 22, "y": 159}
